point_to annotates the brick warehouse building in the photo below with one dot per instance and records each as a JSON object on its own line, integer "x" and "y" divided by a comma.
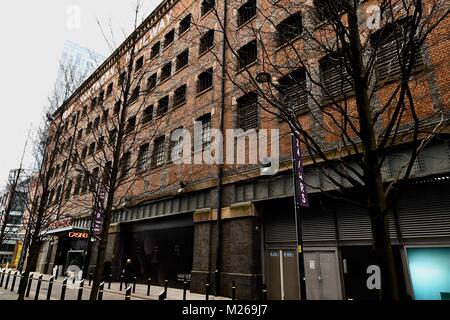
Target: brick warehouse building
{"x": 167, "y": 220}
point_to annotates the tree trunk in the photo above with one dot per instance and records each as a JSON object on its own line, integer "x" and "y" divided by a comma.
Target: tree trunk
{"x": 31, "y": 265}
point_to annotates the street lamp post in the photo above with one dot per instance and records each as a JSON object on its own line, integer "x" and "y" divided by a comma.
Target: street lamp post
{"x": 300, "y": 196}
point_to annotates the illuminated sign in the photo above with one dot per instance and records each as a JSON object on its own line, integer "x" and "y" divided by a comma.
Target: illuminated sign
{"x": 79, "y": 235}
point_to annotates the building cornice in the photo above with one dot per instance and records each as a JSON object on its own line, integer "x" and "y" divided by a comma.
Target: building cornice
{"x": 146, "y": 25}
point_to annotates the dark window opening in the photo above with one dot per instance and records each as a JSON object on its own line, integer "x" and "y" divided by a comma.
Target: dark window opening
{"x": 207, "y": 6}
{"x": 185, "y": 24}
{"x": 163, "y": 105}
{"x": 122, "y": 78}
{"x": 92, "y": 148}
{"x": 158, "y": 152}
{"x": 148, "y": 115}
{"x": 182, "y": 59}
{"x": 335, "y": 78}
{"x": 180, "y": 95}
{"x": 139, "y": 63}
{"x": 246, "y": 12}
{"x": 142, "y": 157}
{"x": 205, "y": 80}
{"x": 125, "y": 164}
{"x": 109, "y": 89}
{"x": 155, "y": 50}
{"x": 248, "y": 111}
{"x": 295, "y": 91}
{"x": 135, "y": 93}
{"x": 206, "y": 41}
{"x": 117, "y": 107}
{"x": 247, "y": 54}
{"x": 151, "y": 82}
{"x": 131, "y": 124}
{"x": 168, "y": 38}
{"x": 166, "y": 71}
{"x": 289, "y": 29}
{"x": 206, "y": 129}
{"x": 331, "y": 9}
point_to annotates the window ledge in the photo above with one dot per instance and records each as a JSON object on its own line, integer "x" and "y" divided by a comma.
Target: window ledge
{"x": 166, "y": 79}
{"x": 182, "y": 68}
{"x": 204, "y": 91}
{"x": 183, "y": 33}
{"x": 247, "y": 66}
{"x": 289, "y": 42}
{"x": 206, "y": 13}
{"x": 170, "y": 44}
{"x": 205, "y": 52}
{"x": 246, "y": 22}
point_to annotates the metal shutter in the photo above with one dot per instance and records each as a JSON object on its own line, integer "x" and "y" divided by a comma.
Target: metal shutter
{"x": 248, "y": 111}
{"x": 335, "y": 78}
{"x": 425, "y": 211}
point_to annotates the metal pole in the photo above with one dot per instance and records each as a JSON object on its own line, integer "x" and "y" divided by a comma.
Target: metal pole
{"x": 110, "y": 280}
{"x": 38, "y": 287}
{"x": 298, "y": 225}
{"x": 233, "y": 290}
{"x": 2, "y": 278}
{"x": 14, "y": 281}
{"x": 30, "y": 279}
{"x": 100, "y": 290}
{"x": 128, "y": 294}
{"x": 264, "y": 292}
{"x": 80, "y": 291}
{"x": 63, "y": 290}
{"x": 207, "y": 292}
{"x": 7, "y": 280}
{"x": 134, "y": 285}
{"x": 148, "y": 286}
{"x": 121, "y": 282}
{"x": 50, "y": 287}
{"x": 184, "y": 288}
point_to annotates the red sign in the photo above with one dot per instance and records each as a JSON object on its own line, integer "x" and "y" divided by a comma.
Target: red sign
{"x": 79, "y": 235}
{"x": 60, "y": 223}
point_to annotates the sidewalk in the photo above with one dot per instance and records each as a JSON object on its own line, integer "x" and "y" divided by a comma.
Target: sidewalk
{"x": 113, "y": 293}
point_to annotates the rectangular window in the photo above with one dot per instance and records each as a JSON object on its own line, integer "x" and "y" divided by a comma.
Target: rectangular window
{"x": 139, "y": 63}
{"x": 76, "y": 191}
{"x": 246, "y": 12}
{"x": 166, "y": 71}
{"x": 101, "y": 97}
{"x": 158, "y": 152}
{"x": 96, "y": 123}
{"x": 112, "y": 135}
{"x": 207, "y": 6}
{"x": 68, "y": 190}
{"x": 155, "y": 50}
{"x": 92, "y": 148}
{"x": 330, "y": 9}
{"x": 247, "y": 54}
{"x": 85, "y": 183}
{"x": 180, "y": 95}
{"x": 336, "y": 80}
{"x": 101, "y": 143}
{"x": 289, "y": 29}
{"x": 142, "y": 157}
{"x": 247, "y": 106}
{"x": 117, "y": 107}
{"x": 151, "y": 82}
{"x": 109, "y": 89}
{"x": 295, "y": 91}
{"x": 84, "y": 112}
{"x": 125, "y": 164}
{"x": 80, "y": 134}
{"x": 206, "y": 129}
{"x": 135, "y": 93}
{"x": 89, "y": 128}
{"x": 206, "y": 41}
{"x": 131, "y": 124}
{"x": 205, "y": 80}
{"x": 163, "y": 105}
{"x": 122, "y": 77}
{"x": 105, "y": 115}
{"x": 182, "y": 59}
{"x": 185, "y": 24}
{"x": 168, "y": 38}
{"x": 93, "y": 103}
{"x": 390, "y": 43}
{"x": 148, "y": 115}
{"x": 176, "y": 148}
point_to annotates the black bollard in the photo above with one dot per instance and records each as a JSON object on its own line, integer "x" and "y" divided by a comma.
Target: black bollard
{"x": 233, "y": 290}
{"x": 121, "y": 282}
{"x": 2, "y": 278}
{"x": 90, "y": 278}
{"x": 14, "y": 281}
{"x": 128, "y": 293}
{"x": 30, "y": 279}
{"x": 7, "y": 280}
{"x": 110, "y": 280}
{"x": 38, "y": 287}
{"x": 184, "y": 288}
{"x": 80, "y": 291}
{"x": 207, "y": 291}
{"x": 264, "y": 292}
{"x": 148, "y": 286}
{"x": 134, "y": 285}
{"x": 74, "y": 277}
{"x": 50, "y": 287}
{"x": 166, "y": 282}
{"x": 100, "y": 290}
{"x": 63, "y": 289}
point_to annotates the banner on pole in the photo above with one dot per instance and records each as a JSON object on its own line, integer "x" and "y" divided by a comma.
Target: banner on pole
{"x": 301, "y": 196}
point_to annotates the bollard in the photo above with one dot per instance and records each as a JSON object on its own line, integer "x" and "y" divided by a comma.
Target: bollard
{"x": 148, "y": 286}
{"x": 233, "y": 290}
{"x": 134, "y": 285}
{"x": 110, "y": 280}
{"x": 90, "y": 279}
{"x": 100, "y": 290}
{"x": 56, "y": 273}
{"x": 7, "y": 280}
{"x": 128, "y": 293}
{"x": 264, "y": 292}
{"x": 207, "y": 291}
{"x": 163, "y": 295}
{"x": 74, "y": 277}
{"x": 2, "y": 278}
{"x": 38, "y": 287}
{"x": 121, "y": 282}
{"x": 63, "y": 289}
{"x": 14, "y": 281}
{"x": 184, "y": 288}
{"x": 30, "y": 279}
{"x": 80, "y": 291}
{"x": 50, "y": 287}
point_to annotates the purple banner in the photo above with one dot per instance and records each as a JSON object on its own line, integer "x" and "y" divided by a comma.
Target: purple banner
{"x": 301, "y": 196}
{"x": 98, "y": 217}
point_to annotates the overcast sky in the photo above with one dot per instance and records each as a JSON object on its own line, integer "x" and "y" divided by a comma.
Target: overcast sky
{"x": 32, "y": 36}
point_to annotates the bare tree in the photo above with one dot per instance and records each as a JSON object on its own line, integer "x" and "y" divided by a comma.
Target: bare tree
{"x": 346, "y": 77}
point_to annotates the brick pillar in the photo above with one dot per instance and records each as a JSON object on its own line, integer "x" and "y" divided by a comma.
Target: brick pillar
{"x": 241, "y": 251}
